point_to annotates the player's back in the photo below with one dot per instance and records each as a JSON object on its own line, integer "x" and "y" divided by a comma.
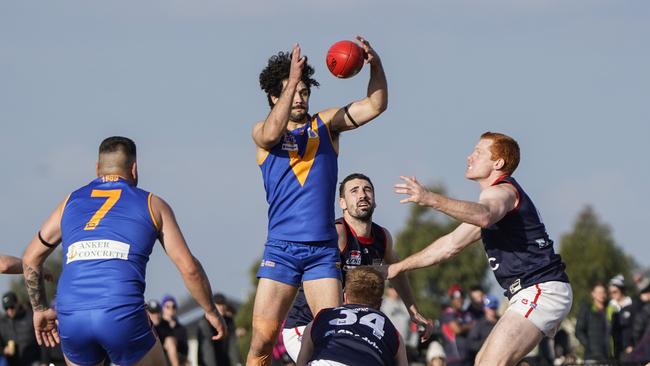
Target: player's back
{"x": 354, "y": 335}
{"x": 108, "y": 232}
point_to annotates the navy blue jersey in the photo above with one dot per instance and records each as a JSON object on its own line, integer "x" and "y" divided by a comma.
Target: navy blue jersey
{"x": 519, "y": 250}
{"x": 354, "y": 335}
{"x": 358, "y": 251}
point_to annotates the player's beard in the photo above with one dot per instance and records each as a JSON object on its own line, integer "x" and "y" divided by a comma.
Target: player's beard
{"x": 364, "y": 215}
{"x": 297, "y": 115}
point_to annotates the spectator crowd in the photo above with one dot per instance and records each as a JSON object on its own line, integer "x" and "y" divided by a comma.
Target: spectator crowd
{"x": 613, "y": 328}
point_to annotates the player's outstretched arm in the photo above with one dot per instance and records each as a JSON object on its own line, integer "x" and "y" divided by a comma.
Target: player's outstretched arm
{"x": 360, "y": 112}
{"x": 401, "y": 284}
{"x": 10, "y": 264}
{"x": 440, "y": 250}
{"x": 38, "y": 249}
{"x": 306, "y": 347}
{"x": 196, "y": 281}
{"x": 494, "y": 202}
{"x": 268, "y": 133}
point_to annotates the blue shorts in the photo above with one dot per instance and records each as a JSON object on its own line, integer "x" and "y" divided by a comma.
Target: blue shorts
{"x": 124, "y": 333}
{"x": 292, "y": 262}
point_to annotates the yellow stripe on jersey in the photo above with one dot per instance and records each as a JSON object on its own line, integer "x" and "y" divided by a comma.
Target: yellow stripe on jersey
{"x": 301, "y": 165}
{"x": 153, "y": 219}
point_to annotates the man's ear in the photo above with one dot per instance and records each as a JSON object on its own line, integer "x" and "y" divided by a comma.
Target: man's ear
{"x": 343, "y": 204}
{"x": 499, "y": 164}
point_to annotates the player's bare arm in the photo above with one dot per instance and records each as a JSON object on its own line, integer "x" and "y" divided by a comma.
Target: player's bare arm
{"x": 306, "y": 347}
{"x": 365, "y": 110}
{"x": 442, "y": 249}
{"x": 190, "y": 268}
{"x": 494, "y": 202}
{"x": 33, "y": 258}
{"x": 268, "y": 133}
{"x": 401, "y": 284}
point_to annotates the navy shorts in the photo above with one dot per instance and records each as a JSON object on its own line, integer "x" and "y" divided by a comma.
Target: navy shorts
{"x": 122, "y": 333}
{"x": 293, "y": 262}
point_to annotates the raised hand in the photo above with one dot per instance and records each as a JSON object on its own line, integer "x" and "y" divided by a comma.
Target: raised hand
{"x": 369, "y": 53}
{"x": 297, "y": 64}
{"x": 415, "y": 191}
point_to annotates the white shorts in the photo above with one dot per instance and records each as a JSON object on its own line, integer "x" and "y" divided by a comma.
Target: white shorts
{"x": 545, "y": 304}
{"x": 292, "y": 338}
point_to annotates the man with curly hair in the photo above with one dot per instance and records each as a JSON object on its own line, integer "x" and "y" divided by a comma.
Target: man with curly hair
{"x": 297, "y": 153}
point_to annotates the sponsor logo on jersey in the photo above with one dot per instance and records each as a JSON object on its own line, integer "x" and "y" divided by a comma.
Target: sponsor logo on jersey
{"x": 289, "y": 143}
{"x": 354, "y": 259}
{"x": 97, "y": 249}
{"x": 516, "y": 286}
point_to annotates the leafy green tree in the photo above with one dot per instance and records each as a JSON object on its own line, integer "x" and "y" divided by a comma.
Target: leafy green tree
{"x": 430, "y": 285}
{"x": 591, "y": 255}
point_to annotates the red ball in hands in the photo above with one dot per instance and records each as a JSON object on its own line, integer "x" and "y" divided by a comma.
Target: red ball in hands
{"x": 344, "y": 59}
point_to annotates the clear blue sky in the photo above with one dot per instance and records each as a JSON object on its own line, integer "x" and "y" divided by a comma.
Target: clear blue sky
{"x": 569, "y": 80}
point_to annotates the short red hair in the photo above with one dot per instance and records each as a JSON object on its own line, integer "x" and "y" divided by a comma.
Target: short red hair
{"x": 504, "y": 147}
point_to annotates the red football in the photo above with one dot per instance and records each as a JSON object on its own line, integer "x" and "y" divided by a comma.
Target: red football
{"x": 344, "y": 59}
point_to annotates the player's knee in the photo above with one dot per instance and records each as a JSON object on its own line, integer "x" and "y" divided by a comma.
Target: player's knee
{"x": 265, "y": 333}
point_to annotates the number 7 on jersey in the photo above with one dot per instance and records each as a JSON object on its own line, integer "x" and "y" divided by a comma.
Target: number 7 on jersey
{"x": 112, "y": 196}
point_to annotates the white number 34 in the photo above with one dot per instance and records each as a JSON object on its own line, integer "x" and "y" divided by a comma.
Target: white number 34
{"x": 372, "y": 320}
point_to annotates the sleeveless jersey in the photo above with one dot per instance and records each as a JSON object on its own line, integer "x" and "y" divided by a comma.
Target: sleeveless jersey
{"x": 519, "y": 250}
{"x": 358, "y": 251}
{"x": 300, "y": 174}
{"x": 354, "y": 335}
{"x": 108, "y": 232}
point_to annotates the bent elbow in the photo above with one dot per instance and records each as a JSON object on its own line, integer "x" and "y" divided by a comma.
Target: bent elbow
{"x": 483, "y": 221}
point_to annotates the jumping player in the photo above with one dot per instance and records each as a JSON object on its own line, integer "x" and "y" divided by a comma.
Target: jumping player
{"x": 356, "y": 333}
{"x": 108, "y": 229}
{"x": 361, "y": 243}
{"x": 297, "y": 153}
{"x": 518, "y": 247}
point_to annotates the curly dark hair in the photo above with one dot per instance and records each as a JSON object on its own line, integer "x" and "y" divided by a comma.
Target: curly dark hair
{"x": 277, "y": 70}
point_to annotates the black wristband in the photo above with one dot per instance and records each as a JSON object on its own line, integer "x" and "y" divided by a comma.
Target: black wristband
{"x": 347, "y": 113}
{"x": 45, "y": 242}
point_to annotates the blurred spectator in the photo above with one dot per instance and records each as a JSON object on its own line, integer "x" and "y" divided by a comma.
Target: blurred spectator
{"x": 479, "y": 333}
{"x": 436, "y": 355}
{"x": 396, "y": 311}
{"x": 642, "y": 318}
{"x": 593, "y": 327}
{"x": 455, "y": 325}
{"x": 178, "y": 331}
{"x": 164, "y": 332}
{"x": 622, "y": 316}
{"x": 216, "y": 353}
{"x": 476, "y": 298}
{"x": 17, "y": 337}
